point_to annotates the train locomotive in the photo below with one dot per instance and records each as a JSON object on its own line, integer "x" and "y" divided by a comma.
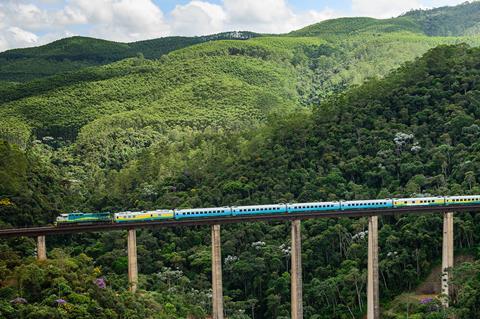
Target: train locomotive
{"x": 196, "y": 213}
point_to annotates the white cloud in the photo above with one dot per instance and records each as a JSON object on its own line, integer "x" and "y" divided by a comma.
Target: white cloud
{"x": 389, "y": 8}
{"x": 383, "y": 8}
{"x": 34, "y": 22}
{"x": 268, "y": 16}
{"x": 21, "y": 36}
{"x": 197, "y": 18}
{"x": 16, "y": 37}
{"x": 120, "y": 20}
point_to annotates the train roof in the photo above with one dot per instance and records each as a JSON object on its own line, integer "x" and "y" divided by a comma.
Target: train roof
{"x": 420, "y": 198}
{"x": 259, "y": 206}
{"x": 201, "y": 209}
{"x": 313, "y": 203}
{"x": 359, "y": 201}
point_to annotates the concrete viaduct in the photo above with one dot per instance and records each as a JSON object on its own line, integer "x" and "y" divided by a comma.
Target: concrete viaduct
{"x": 373, "y": 303}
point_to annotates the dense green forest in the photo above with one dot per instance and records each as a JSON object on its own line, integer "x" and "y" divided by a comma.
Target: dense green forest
{"x": 344, "y": 109}
{"x": 70, "y": 54}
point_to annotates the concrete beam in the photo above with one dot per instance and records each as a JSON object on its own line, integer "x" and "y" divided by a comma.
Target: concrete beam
{"x": 41, "y": 248}
{"x": 373, "y": 293}
{"x": 296, "y": 271}
{"x": 132, "y": 260}
{"x": 447, "y": 255}
{"x": 217, "y": 285}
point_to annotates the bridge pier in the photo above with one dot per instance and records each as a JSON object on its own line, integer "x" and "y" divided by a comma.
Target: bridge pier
{"x": 447, "y": 255}
{"x": 132, "y": 259}
{"x": 41, "y": 248}
{"x": 296, "y": 271}
{"x": 373, "y": 295}
{"x": 217, "y": 284}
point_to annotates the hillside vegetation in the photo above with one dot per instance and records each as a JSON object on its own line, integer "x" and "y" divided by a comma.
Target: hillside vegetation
{"x": 414, "y": 132}
{"x": 460, "y": 20}
{"x": 222, "y": 84}
{"x": 345, "y": 109}
{"x": 71, "y": 54}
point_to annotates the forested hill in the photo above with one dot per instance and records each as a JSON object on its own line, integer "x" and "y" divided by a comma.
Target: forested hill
{"x": 414, "y": 132}
{"x": 345, "y": 109}
{"x": 460, "y": 20}
{"x": 70, "y": 54}
{"x": 220, "y": 85}
{"x": 74, "y": 53}
{"x": 463, "y": 19}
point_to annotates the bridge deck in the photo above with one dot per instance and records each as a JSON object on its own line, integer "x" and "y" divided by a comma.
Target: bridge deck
{"x": 52, "y": 230}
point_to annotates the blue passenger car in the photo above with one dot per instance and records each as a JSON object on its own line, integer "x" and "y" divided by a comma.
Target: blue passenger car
{"x": 312, "y": 207}
{"x": 259, "y": 209}
{"x": 202, "y": 212}
{"x": 366, "y": 204}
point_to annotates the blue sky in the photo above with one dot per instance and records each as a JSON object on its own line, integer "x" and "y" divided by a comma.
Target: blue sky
{"x": 340, "y": 5}
{"x": 26, "y": 23}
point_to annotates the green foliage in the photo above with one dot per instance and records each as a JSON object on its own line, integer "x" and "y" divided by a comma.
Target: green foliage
{"x": 466, "y": 279}
{"x": 410, "y": 133}
{"x": 460, "y": 20}
{"x": 270, "y": 119}
{"x": 65, "y": 287}
{"x": 71, "y": 54}
{"x": 448, "y": 21}
{"x": 353, "y": 26}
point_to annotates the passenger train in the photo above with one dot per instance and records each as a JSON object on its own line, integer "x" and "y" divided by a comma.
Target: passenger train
{"x": 165, "y": 214}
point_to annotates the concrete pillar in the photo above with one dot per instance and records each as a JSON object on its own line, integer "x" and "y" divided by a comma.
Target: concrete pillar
{"x": 373, "y": 295}
{"x": 447, "y": 254}
{"x": 132, "y": 260}
{"x": 217, "y": 287}
{"x": 41, "y": 248}
{"x": 296, "y": 277}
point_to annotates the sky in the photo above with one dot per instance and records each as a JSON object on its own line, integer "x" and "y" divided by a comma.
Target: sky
{"x": 26, "y": 23}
